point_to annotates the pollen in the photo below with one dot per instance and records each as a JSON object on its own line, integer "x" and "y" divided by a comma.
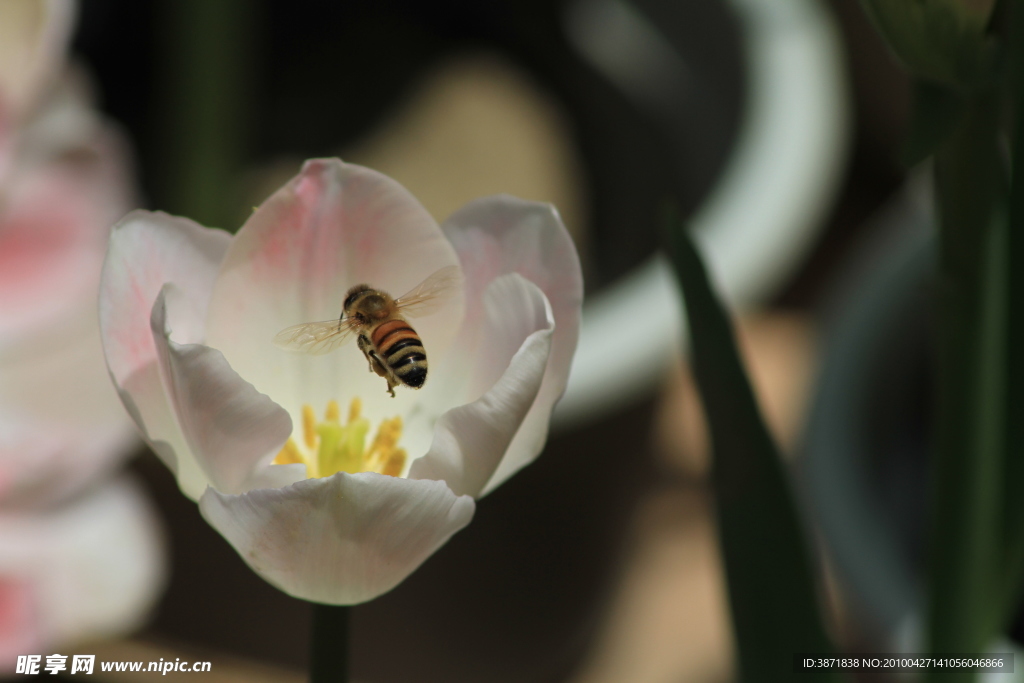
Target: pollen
{"x": 327, "y": 446}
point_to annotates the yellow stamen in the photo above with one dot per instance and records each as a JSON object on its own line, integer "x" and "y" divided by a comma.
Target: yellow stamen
{"x": 309, "y": 427}
{"x": 330, "y": 447}
{"x": 395, "y": 463}
{"x": 289, "y": 455}
{"x": 382, "y": 456}
{"x": 333, "y": 412}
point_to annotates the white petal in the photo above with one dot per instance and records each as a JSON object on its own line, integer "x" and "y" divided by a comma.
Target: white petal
{"x": 231, "y": 429}
{"x": 92, "y": 568}
{"x": 143, "y": 394}
{"x": 146, "y": 251}
{"x": 471, "y": 440}
{"x": 497, "y": 235}
{"x": 334, "y": 226}
{"x": 339, "y": 540}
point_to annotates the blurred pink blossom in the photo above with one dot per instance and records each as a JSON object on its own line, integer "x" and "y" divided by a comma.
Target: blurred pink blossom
{"x": 80, "y": 557}
{"x": 84, "y": 569}
{"x": 60, "y": 426}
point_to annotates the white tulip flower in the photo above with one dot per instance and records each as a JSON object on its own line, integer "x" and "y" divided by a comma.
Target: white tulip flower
{"x": 333, "y": 510}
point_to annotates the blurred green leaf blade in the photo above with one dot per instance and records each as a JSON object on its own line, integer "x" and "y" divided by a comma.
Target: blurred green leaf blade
{"x": 772, "y": 585}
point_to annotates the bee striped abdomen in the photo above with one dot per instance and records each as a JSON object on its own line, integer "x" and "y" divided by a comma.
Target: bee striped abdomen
{"x": 402, "y": 350}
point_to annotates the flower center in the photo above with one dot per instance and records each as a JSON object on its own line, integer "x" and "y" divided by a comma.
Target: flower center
{"x": 328, "y": 447}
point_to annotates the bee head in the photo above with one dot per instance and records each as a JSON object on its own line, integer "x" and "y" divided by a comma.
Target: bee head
{"x": 366, "y": 303}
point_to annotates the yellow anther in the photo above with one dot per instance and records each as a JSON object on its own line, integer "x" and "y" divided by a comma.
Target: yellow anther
{"x": 333, "y": 412}
{"x": 395, "y": 463}
{"x": 289, "y": 455}
{"x": 309, "y": 427}
{"x": 355, "y": 409}
{"x": 388, "y": 435}
{"x": 382, "y": 456}
{"x": 292, "y": 455}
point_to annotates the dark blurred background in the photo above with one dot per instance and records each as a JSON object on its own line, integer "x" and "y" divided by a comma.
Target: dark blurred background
{"x": 222, "y": 99}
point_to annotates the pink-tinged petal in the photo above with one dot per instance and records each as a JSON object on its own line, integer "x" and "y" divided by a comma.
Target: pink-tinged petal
{"x": 61, "y": 423}
{"x": 43, "y": 462}
{"x": 94, "y": 566}
{"x": 498, "y": 235}
{"x": 49, "y": 256}
{"x": 54, "y": 222}
{"x": 146, "y": 251}
{"x": 20, "y": 630}
{"x": 231, "y": 429}
{"x": 340, "y": 540}
{"x": 502, "y": 234}
{"x": 334, "y": 226}
{"x": 34, "y": 35}
{"x": 471, "y": 440}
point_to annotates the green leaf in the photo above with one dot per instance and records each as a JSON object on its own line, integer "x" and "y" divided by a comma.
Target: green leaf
{"x": 772, "y": 586}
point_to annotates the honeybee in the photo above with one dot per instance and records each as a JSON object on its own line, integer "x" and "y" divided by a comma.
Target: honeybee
{"x": 390, "y": 344}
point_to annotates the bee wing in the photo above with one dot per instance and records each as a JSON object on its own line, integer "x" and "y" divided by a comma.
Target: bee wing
{"x": 431, "y": 294}
{"x": 316, "y": 338}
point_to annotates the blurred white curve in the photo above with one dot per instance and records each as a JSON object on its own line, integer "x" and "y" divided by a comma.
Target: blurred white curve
{"x": 761, "y": 218}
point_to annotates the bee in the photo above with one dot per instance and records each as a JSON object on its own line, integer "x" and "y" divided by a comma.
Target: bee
{"x": 390, "y": 344}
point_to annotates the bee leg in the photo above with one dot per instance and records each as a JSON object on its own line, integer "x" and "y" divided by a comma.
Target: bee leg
{"x": 375, "y": 363}
{"x": 383, "y": 372}
{"x": 364, "y": 346}
{"x": 378, "y": 366}
{"x": 387, "y": 377}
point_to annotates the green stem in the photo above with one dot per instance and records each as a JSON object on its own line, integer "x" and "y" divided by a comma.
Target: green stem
{"x": 329, "y": 654}
{"x": 1013, "y": 576}
{"x": 206, "y": 47}
{"x": 966, "y": 493}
